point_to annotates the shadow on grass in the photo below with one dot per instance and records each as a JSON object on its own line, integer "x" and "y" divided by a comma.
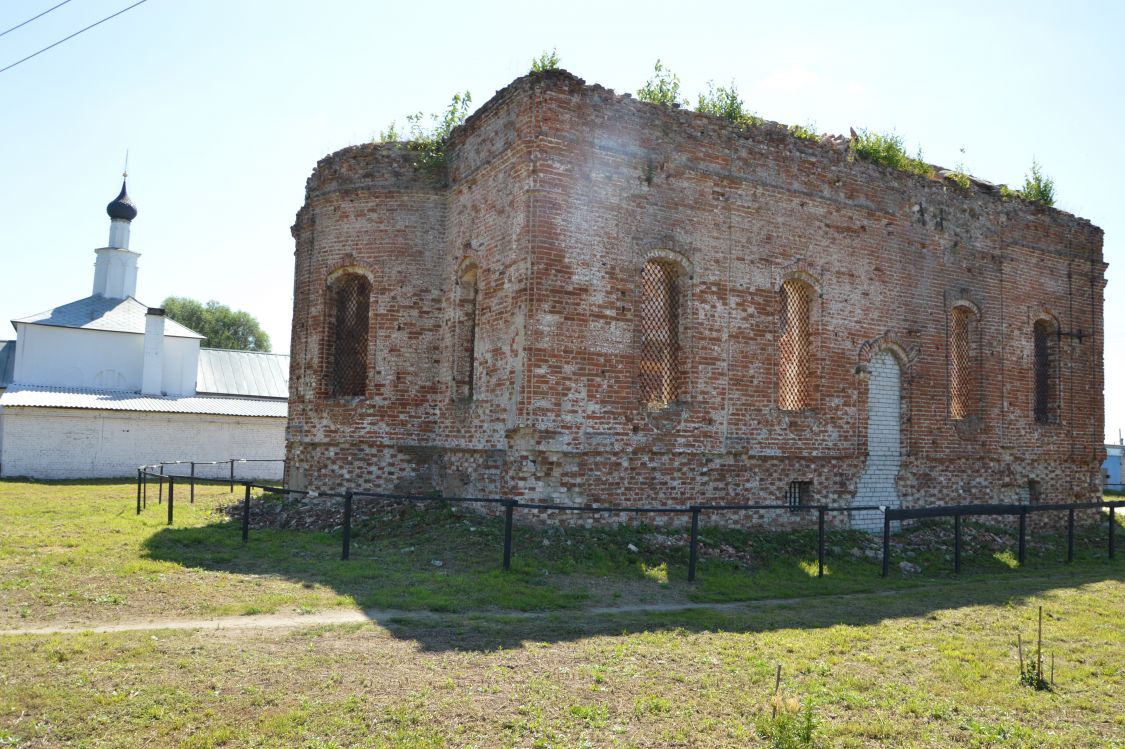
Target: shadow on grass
{"x": 434, "y": 560}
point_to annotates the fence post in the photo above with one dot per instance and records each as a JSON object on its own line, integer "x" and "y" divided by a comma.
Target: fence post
{"x": 144, "y": 487}
{"x": 347, "y": 524}
{"x": 171, "y": 492}
{"x": 820, "y": 542}
{"x": 509, "y": 507}
{"x": 192, "y": 500}
{"x": 246, "y": 515}
{"x": 1112, "y": 529}
{"x": 886, "y": 542}
{"x": 693, "y": 550}
{"x": 1070, "y": 535}
{"x": 1023, "y": 536}
{"x": 138, "y": 491}
{"x": 232, "y": 475}
{"x": 957, "y": 543}
{"x": 160, "y": 487}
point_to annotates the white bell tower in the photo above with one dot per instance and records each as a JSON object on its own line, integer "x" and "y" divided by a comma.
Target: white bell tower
{"x": 115, "y": 271}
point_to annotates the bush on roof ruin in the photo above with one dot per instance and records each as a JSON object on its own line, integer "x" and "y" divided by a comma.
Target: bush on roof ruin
{"x": 887, "y": 149}
{"x": 429, "y": 142}
{"x": 723, "y": 101}
{"x": 663, "y": 88}
{"x": 545, "y": 61}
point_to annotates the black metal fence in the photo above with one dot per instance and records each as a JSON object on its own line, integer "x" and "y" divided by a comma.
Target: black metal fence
{"x": 145, "y": 474}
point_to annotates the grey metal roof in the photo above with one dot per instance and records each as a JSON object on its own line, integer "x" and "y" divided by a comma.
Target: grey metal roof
{"x": 254, "y": 373}
{"x": 7, "y": 362}
{"x": 102, "y": 313}
{"x": 34, "y": 396}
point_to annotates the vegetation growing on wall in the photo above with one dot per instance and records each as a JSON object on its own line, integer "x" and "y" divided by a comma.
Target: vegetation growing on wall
{"x": 723, "y": 101}
{"x": 545, "y": 61}
{"x": 1038, "y": 187}
{"x": 429, "y": 142}
{"x": 887, "y": 149}
{"x": 662, "y": 88}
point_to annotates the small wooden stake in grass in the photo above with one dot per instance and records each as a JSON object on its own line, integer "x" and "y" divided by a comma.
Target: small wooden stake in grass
{"x": 1039, "y": 648}
{"x": 776, "y": 689}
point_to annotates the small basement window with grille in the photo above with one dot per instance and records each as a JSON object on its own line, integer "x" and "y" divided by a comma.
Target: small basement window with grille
{"x": 798, "y": 494}
{"x": 1034, "y": 492}
{"x": 794, "y": 347}
{"x": 348, "y": 335}
{"x": 659, "y": 361}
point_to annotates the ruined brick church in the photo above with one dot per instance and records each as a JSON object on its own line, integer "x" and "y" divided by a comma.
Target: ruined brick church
{"x": 600, "y": 300}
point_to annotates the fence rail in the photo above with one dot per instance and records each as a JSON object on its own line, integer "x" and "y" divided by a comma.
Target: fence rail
{"x": 890, "y": 514}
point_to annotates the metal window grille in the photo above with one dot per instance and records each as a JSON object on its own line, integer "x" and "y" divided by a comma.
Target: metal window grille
{"x": 1046, "y": 361}
{"x": 464, "y": 361}
{"x": 962, "y": 365}
{"x": 798, "y": 494}
{"x": 794, "y": 349}
{"x": 352, "y": 302}
{"x": 660, "y": 334}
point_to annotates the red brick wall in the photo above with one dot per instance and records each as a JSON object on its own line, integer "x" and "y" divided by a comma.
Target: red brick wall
{"x": 559, "y": 192}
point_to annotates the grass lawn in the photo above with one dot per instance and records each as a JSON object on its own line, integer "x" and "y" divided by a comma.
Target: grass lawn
{"x": 77, "y": 553}
{"x": 517, "y": 659}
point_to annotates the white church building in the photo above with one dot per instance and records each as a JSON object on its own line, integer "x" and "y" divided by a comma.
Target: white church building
{"x": 99, "y": 386}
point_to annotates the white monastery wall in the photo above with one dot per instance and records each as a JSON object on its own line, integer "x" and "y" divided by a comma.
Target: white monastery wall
{"x": 61, "y": 443}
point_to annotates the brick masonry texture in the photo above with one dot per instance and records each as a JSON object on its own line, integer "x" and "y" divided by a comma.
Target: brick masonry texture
{"x": 558, "y": 192}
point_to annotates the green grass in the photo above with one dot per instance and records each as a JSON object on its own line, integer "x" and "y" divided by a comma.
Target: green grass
{"x": 923, "y": 668}
{"x": 77, "y": 552}
{"x": 917, "y": 661}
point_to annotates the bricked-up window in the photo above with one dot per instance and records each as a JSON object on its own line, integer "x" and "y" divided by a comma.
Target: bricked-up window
{"x": 964, "y": 364}
{"x": 1045, "y": 372}
{"x": 659, "y": 370}
{"x": 798, "y": 494}
{"x": 464, "y": 354}
{"x": 794, "y": 347}
{"x": 351, "y": 307}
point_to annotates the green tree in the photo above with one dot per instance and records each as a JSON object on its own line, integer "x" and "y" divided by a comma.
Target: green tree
{"x": 221, "y": 326}
{"x": 663, "y": 88}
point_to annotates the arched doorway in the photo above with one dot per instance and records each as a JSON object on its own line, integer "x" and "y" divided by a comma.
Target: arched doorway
{"x": 877, "y": 484}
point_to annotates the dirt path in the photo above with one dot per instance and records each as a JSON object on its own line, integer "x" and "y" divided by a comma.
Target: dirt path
{"x": 376, "y": 616}
{"x": 359, "y": 616}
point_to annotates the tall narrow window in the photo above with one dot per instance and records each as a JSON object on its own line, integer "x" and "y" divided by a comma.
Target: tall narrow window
{"x": 348, "y": 337}
{"x": 659, "y": 370}
{"x": 964, "y": 364}
{"x": 465, "y": 336}
{"x": 794, "y": 347}
{"x": 1045, "y": 366}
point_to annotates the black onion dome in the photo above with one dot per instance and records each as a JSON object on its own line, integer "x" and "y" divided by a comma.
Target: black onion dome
{"x": 122, "y": 207}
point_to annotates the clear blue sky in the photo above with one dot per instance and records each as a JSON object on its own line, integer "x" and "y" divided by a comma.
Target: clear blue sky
{"x": 225, "y": 107}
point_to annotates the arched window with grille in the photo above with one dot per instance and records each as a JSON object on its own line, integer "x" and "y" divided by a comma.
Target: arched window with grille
{"x": 350, "y": 309}
{"x": 465, "y": 334}
{"x": 659, "y": 370}
{"x": 964, "y": 363}
{"x": 794, "y": 361}
{"x": 1045, "y": 371}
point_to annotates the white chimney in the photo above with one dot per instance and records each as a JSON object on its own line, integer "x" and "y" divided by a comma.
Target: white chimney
{"x": 152, "y": 369}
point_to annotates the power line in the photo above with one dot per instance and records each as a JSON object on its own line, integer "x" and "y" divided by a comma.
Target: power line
{"x": 64, "y": 2}
{"x": 76, "y": 33}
